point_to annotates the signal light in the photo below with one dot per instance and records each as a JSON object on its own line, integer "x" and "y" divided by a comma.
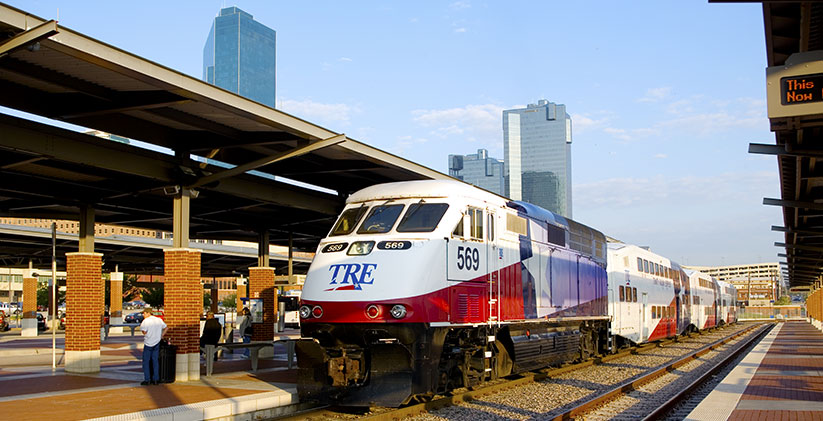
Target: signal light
{"x": 305, "y": 312}
{"x": 317, "y": 312}
{"x": 372, "y": 311}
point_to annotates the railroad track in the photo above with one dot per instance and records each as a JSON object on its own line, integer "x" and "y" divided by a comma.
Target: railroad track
{"x": 563, "y": 394}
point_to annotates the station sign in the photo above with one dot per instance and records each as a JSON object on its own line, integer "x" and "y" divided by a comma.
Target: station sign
{"x": 796, "y": 88}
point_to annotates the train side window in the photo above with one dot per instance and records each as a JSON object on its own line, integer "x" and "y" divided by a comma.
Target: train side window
{"x": 657, "y": 269}
{"x": 476, "y": 223}
{"x": 654, "y": 312}
{"x": 621, "y": 293}
{"x": 639, "y": 264}
{"x": 634, "y": 295}
{"x": 645, "y": 266}
{"x": 458, "y": 229}
{"x": 491, "y": 227}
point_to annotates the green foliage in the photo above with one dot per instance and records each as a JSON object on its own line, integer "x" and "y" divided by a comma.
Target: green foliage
{"x": 43, "y": 294}
{"x": 206, "y": 300}
{"x": 154, "y": 296}
{"x": 783, "y": 300}
{"x": 229, "y": 301}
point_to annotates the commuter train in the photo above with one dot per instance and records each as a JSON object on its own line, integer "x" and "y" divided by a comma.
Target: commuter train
{"x": 422, "y": 287}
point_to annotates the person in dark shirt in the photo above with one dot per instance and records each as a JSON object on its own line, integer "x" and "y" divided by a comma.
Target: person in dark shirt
{"x": 212, "y": 331}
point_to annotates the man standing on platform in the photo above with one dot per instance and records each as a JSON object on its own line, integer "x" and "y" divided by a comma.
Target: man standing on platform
{"x": 153, "y": 328}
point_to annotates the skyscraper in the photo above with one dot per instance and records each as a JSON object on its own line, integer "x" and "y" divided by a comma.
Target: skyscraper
{"x": 537, "y": 149}
{"x": 239, "y": 56}
{"x": 478, "y": 169}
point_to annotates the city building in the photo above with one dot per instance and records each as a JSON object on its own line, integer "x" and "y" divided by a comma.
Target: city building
{"x": 239, "y": 56}
{"x": 479, "y": 169}
{"x": 537, "y": 155}
{"x": 757, "y": 284}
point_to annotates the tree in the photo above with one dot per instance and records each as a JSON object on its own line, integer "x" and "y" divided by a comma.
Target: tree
{"x": 783, "y": 301}
{"x": 154, "y": 296}
{"x": 206, "y": 300}
{"x": 229, "y": 301}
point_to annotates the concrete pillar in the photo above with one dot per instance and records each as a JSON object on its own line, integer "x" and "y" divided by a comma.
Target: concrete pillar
{"x": 261, "y": 285}
{"x": 183, "y": 302}
{"x": 84, "y": 304}
{"x": 29, "y": 322}
{"x": 116, "y": 301}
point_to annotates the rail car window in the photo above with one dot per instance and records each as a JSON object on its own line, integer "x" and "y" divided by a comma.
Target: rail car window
{"x": 654, "y": 312}
{"x": 657, "y": 269}
{"x": 458, "y": 229}
{"x": 348, "y": 220}
{"x": 422, "y": 217}
{"x": 381, "y": 219}
{"x": 639, "y": 264}
{"x": 476, "y": 223}
{"x": 645, "y": 266}
{"x": 491, "y": 227}
{"x": 634, "y": 295}
{"x": 516, "y": 224}
{"x": 622, "y": 294}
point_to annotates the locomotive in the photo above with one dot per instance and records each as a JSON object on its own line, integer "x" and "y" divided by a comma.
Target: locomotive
{"x": 422, "y": 287}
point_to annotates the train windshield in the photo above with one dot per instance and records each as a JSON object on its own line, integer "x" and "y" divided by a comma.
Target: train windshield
{"x": 422, "y": 217}
{"x": 381, "y": 219}
{"x": 348, "y": 220}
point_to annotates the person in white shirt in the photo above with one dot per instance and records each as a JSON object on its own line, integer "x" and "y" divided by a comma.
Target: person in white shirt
{"x": 153, "y": 328}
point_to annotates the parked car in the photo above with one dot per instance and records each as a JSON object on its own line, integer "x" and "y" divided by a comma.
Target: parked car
{"x": 136, "y": 317}
{"x": 62, "y": 321}
{"x": 41, "y": 322}
{"x": 4, "y": 322}
{"x": 6, "y": 309}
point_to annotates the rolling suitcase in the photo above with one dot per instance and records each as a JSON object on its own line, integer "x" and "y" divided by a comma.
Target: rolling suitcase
{"x": 167, "y": 356}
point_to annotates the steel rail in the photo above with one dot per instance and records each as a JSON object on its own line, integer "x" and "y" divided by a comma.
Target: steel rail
{"x": 595, "y": 402}
{"x": 682, "y": 395}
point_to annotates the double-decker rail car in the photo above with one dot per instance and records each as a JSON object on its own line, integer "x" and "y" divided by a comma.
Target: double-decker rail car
{"x": 426, "y": 286}
{"x": 728, "y": 303}
{"x": 705, "y": 295}
{"x": 647, "y": 293}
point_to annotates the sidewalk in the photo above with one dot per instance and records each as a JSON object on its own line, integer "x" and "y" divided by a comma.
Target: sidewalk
{"x": 30, "y": 390}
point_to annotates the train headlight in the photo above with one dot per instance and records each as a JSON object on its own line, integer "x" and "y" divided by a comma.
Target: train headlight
{"x": 305, "y": 312}
{"x": 360, "y": 248}
{"x": 398, "y": 311}
{"x": 317, "y": 311}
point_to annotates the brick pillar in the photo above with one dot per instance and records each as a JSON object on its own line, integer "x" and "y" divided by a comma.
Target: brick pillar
{"x": 261, "y": 285}
{"x": 241, "y": 293}
{"x": 116, "y": 301}
{"x": 183, "y": 302}
{"x": 84, "y": 307}
{"x": 29, "y": 304}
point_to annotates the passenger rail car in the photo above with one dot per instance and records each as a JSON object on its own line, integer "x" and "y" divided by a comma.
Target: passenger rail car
{"x": 647, "y": 293}
{"x": 426, "y": 286}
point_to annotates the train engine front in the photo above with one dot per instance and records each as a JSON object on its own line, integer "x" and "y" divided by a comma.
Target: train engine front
{"x": 375, "y": 286}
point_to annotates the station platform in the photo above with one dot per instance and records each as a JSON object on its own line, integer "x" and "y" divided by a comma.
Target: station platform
{"x": 781, "y": 378}
{"x": 30, "y": 390}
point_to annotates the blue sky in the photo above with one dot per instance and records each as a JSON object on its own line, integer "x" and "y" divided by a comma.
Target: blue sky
{"x": 664, "y": 96}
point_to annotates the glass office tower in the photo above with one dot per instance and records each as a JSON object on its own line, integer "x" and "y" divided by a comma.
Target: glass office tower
{"x": 478, "y": 169}
{"x": 239, "y": 56}
{"x": 537, "y": 149}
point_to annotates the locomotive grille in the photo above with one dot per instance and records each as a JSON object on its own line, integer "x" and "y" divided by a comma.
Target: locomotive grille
{"x": 468, "y": 307}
